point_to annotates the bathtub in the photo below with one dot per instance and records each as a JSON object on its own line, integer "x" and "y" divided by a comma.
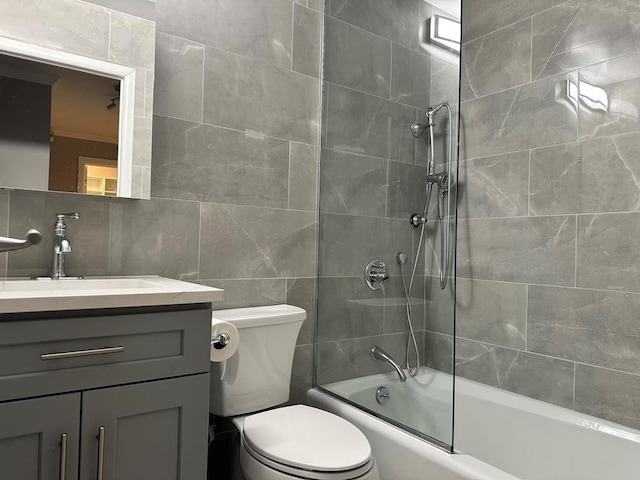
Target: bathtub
{"x": 498, "y": 435}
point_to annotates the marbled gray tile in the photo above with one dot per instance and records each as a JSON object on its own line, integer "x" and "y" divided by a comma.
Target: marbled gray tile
{"x": 356, "y": 58}
{"x": 492, "y": 312}
{"x": 307, "y": 41}
{"x": 257, "y": 97}
{"x": 142, "y": 139}
{"x": 396, "y": 20}
{"x": 178, "y": 82}
{"x": 497, "y": 61}
{"x": 250, "y": 292}
{"x": 395, "y": 303}
{"x": 406, "y": 189}
{"x": 607, "y": 394}
{"x": 351, "y": 358}
{"x": 410, "y": 77}
{"x": 69, "y": 25}
{"x": 543, "y": 378}
{"x": 347, "y": 308}
{"x": 530, "y": 250}
{"x": 303, "y": 176}
{"x": 440, "y": 306}
{"x": 518, "y": 119}
{"x": 301, "y": 374}
{"x": 350, "y": 242}
{"x": 140, "y": 93}
{"x": 583, "y": 32}
{"x": 202, "y": 162}
{"x": 140, "y": 8}
{"x": 251, "y": 242}
{"x": 149, "y": 93}
{"x": 480, "y": 17}
{"x": 601, "y": 175}
{"x": 89, "y": 236}
{"x": 132, "y": 41}
{"x": 302, "y": 293}
{"x": 257, "y": 29}
{"x": 588, "y": 326}
{"x": 494, "y": 186}
{"x": 445, "y": 79}
{"x": 352, "y": 184}
{"x": 158, "y": 237}
{"x": 609, "y": 251}
{"x": 616, "y": 99}
{"x": 317, "y": 5}
{"x": 438, "y": 352}
{"x": 361, "y": 123}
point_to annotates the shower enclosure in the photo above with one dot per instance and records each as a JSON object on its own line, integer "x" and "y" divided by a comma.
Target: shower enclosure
{"x": 388, "y": 190}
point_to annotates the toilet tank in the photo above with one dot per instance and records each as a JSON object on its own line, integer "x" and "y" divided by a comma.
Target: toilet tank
{"x": 258, "y": 374}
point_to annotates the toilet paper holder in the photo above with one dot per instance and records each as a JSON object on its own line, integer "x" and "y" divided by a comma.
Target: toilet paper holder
{"x": 220, "y": 341}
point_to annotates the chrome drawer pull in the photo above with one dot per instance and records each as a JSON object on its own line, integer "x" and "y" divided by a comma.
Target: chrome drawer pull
{"x": 81, "y": 353}
{"x": 100, "y": 453}
{"x": 63, "y": 456}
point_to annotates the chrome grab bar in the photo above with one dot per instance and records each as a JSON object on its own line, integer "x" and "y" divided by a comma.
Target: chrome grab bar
{"x": 81, "y": 353}
{"x": 8, "y": 244}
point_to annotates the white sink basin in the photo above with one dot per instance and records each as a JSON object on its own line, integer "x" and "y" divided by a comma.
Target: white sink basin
{"x": 44, "y": 295}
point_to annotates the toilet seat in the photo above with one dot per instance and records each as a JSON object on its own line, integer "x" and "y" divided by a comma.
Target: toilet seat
{"x": 307, "y": 442}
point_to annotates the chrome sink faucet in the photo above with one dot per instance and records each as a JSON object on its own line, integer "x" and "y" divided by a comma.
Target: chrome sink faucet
{"x": 61, "y": 245}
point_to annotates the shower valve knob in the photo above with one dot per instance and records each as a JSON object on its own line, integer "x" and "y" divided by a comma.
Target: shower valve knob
{"x": 417, "y": 220}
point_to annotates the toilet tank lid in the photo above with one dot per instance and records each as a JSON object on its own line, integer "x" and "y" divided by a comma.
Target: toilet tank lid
{"x": 259, "y": 316}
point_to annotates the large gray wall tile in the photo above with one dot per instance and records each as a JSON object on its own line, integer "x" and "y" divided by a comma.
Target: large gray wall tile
{"x": 608, "y": 394}
{"x": 251, "y": 242}
{"x": 356, "y": 58}
{"x": 257, "y": 29}
{"x": 307, "y": 41}
{"x": 582, "y": 32}
{"x": 601, "y": 175}
{"x": 395, "y": 20}
{"x": 406, "y": 189}
{"x": 587, "y": 326}
{"x": 361, "y": 123}
{"x": 132, "y": 41}
{"x": 303, "y": 176}
{"x": 395, "y": 304}
{"x": 543, "y": 378}
{"x": 410, "y": 77}
{"x": 494, "y": 186}
{"x": 444, "y": 82}
{"x": 609, "y": 251}
{"x": 497, "y": 61}
{"x": 532, "y": 250}
{"x": 619, "y": 80}
{"x": 252, "y": 96}
{"x": 178, "y": 82}
{"x": 492, "y": 312}
{"x": 438, "y": 352}
{"x": 517, "y": 119}
{"x": 202, "y": 162}
{"x": 350, "y": 242}
{"x": 68, "y": 25}
{"x": 140, "y": 8}
{"x": 352, "y": 184}
{"x": 301, "y": 373}
{"x": 250, "y": 292}
{"x": 302, "y": 292}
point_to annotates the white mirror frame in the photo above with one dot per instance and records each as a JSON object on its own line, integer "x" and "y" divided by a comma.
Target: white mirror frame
{"x": 127, "y": 77}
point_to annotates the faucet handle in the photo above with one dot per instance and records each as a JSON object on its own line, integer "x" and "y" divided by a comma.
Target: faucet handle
{"x": 62, "y": 216}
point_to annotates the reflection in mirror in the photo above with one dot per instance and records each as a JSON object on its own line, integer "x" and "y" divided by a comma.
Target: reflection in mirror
{"x": 53, "y": 120}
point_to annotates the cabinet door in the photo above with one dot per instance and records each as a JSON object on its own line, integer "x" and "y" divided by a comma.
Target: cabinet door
{"x": 33, "y": 434}
{"x": 156, "y": 430}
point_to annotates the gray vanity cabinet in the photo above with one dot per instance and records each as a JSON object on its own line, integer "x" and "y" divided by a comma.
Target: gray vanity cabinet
{"x": 32, "y": 435}
{"x": 114, "y": 395}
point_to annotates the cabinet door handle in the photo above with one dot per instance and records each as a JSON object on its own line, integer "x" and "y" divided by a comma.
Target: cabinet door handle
{"x": 63, "y": 456}
{"x": 81, "y": 353}
{"x": 100, "y": 453}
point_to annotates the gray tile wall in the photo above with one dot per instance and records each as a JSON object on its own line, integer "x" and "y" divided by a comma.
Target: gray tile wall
{"x": 548, "y": 248}
{"x": 378, "y": 80}
{"x": 233, "y": 181}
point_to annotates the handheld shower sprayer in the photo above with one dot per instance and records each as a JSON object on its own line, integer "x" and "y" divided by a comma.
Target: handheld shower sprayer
{"x": 402, "y": 258}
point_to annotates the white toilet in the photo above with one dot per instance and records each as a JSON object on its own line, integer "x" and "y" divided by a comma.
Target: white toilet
{"x": 294, "y": 442}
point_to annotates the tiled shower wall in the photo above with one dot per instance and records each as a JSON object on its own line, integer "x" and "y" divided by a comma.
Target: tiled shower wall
{"x": 235, "y": 136}
{"x": 378, "y": 79}
{"x": 548, "y": 248}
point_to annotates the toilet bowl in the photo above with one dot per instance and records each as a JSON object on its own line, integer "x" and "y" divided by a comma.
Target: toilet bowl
{"x": 285, "y": 443}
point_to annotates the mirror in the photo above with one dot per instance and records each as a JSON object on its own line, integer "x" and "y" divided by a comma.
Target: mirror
{"x": 69, "y": 123}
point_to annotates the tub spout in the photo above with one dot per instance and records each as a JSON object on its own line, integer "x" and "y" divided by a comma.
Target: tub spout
{"x": 379, "y": 354}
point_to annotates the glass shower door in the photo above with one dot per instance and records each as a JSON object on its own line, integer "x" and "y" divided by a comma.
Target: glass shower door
{"x": 386, "y": 289}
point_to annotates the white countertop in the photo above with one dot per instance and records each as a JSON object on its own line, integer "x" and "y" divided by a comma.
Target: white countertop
{"x": 45, "y": 295}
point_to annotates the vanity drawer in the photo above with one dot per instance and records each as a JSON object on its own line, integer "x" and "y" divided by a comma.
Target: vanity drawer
{"x": 46, "y": 356}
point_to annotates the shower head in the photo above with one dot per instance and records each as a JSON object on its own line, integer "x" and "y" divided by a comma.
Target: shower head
{"x": 402, "y": 258}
